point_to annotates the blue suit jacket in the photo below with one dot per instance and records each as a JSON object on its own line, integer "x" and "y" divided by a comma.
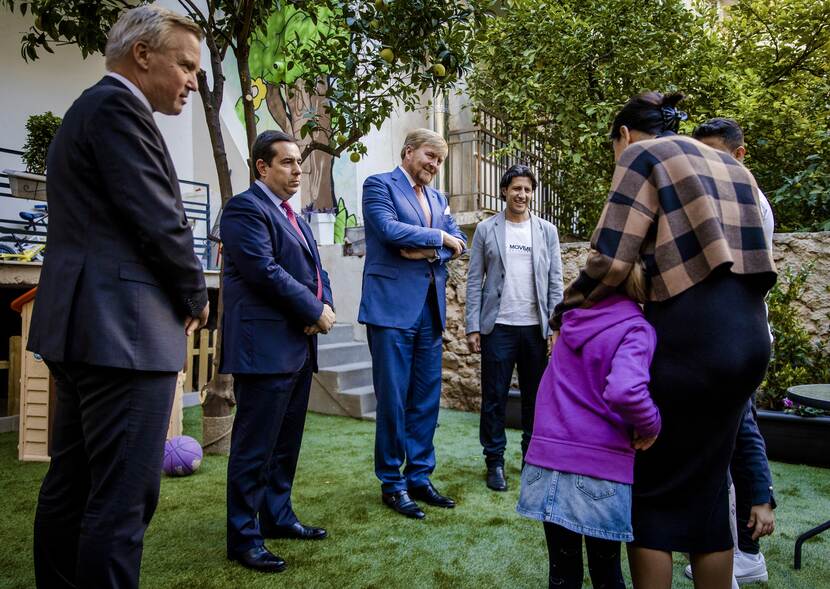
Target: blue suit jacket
{"x": 269, "y": 288}
{"x": 395, "y": 288}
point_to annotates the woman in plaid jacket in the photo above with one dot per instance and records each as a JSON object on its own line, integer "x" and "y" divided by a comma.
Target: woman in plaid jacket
{"x": 691, "y": 214}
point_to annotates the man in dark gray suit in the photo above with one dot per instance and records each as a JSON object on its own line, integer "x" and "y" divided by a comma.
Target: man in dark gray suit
{"x": 514, "y": 282}
{"x": 120, "y": 288}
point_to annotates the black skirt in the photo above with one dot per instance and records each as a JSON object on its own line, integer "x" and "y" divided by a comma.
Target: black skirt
{"x": 712, "y": 352}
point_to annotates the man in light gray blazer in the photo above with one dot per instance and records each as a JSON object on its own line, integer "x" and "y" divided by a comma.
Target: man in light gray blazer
{"x": 514, "y": 282}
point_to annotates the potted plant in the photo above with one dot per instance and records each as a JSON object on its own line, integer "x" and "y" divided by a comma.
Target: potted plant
{"x": 31, "y": 184}
{"x": 793, "y": 433}
{"x": 322, "y": 223}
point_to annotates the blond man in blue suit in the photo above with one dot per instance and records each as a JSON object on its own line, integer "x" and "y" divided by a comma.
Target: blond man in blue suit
{"x": 410, "y": 236}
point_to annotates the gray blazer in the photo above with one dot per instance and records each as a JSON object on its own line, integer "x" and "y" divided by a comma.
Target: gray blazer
{"x": 486, "y": 275}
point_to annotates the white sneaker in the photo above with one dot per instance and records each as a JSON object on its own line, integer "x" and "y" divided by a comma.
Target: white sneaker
{"x": 746, "y": 568}
{"x": 749, "y": 568}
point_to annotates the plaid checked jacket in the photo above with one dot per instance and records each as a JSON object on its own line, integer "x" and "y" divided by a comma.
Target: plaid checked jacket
{"x": 682, "y": 207}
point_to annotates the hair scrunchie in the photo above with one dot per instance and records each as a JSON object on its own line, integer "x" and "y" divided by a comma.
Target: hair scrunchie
{"x": 672, "y": 117}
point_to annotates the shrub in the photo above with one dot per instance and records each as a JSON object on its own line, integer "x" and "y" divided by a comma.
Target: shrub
{"x": 40, "y": 130}
{"x": 562, "y": 69}
{"x": 796, "y": 358}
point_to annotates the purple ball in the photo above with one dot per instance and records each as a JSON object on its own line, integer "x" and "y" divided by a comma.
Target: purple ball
{"x": 182, "y": 456}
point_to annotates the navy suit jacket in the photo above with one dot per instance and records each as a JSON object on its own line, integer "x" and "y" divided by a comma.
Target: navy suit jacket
{"x": 393, "y": 220}
{"x": 120, "y": 277}
{"x": 269, "y": 288}
{"x": 749, "y": 466}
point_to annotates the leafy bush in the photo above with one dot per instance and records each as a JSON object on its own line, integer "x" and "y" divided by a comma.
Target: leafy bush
{"x": 40, "y": 130}
{"x": 796, "y": 358}
{"x": 803, "y": 202}
{"x": 561, "y": 70}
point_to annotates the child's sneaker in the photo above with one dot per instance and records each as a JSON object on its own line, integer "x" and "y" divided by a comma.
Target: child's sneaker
{"x": 746, "y": 568}
{"x": 749, "y": 568}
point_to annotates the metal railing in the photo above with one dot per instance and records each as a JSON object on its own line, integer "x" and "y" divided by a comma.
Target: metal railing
{"x": 480, "y": 155}
{"x": 195, "y": 197}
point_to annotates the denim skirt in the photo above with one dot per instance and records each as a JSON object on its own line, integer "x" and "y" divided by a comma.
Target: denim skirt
{"x": 582, "y": 504}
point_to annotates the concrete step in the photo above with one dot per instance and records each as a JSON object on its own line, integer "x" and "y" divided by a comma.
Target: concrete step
{"x": 325, "y": 398}
{"x": 342, "y": 353}
{"x": 350, "y": 376}
{"x": 340, "y": 333}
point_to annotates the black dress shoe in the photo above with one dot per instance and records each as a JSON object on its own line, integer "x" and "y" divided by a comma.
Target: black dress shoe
{"x": 429, "y": 495}
{"x": 495, "y": 478}
{"x": 400, "y": 502}
{"x": 260, "y": 559}
{"x": 295, "y": 531}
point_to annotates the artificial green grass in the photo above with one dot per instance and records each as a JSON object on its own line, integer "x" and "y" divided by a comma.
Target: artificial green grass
{"x": 482, "y": 543}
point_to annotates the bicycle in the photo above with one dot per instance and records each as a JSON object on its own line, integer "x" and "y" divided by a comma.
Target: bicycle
{"x": 21, "y": 250}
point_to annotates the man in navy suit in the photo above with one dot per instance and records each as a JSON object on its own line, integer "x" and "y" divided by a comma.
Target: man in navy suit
{"x": 410, "y": 235}
{"x": 118, "y": 292}
{"x": 276, "y": 299}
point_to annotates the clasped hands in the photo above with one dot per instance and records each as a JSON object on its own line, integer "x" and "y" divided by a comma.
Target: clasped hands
{"x": 428, "y": 253}
{"x": 324, "y": 323}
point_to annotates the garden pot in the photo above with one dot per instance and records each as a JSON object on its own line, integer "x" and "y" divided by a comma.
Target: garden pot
{"x": 796, "y": 439}
{"x": 355, "y": 244}
{"x": 26, "y": 185}
{"x": 322, "y": 226}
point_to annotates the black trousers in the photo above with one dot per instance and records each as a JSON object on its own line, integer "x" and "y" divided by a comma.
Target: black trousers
{"x": 265, "y": 445}
{"x": 506, "y": 347}
{"x": 102, "y": 486}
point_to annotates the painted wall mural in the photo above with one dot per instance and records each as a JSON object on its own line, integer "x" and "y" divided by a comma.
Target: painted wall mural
{"x": 281, "y": 102}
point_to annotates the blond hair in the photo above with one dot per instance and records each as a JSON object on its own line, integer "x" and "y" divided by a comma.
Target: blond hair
{"x": 152, "y": 25}
{"x": 419, "y": 137}
{"x": 635, "y": 285}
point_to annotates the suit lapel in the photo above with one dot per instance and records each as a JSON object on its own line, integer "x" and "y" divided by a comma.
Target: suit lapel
{"x": 500, "y": 231}
{"x": 309, "y": 237}
{"x": 432, "y": 201}
{"x": 535, "y": 242}
{"x": 405, "y": 190}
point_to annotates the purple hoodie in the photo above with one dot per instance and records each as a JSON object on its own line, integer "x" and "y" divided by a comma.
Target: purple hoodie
{"x": 594, "y": 393}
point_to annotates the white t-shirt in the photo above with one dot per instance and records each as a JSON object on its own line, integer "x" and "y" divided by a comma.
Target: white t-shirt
{"x": 766, "y": 218}
{"x": 518, "y": 296}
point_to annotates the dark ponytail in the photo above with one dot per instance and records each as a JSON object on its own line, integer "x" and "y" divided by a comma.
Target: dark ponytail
{"x": 650, "y": 112}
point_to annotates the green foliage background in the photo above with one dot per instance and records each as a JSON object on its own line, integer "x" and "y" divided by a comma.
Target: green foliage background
{"x": 562, "y": 70}
{"x": 796, "y": 357}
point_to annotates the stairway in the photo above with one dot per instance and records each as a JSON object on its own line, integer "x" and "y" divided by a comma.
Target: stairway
{"x": 343, "y": 385}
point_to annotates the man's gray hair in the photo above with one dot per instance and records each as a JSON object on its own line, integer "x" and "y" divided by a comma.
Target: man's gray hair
{"x": 151, "y": 24}
{"x": 419, "y": 137}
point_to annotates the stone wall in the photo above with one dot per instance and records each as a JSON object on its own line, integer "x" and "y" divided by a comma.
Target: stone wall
{"x": 461, "y": 374}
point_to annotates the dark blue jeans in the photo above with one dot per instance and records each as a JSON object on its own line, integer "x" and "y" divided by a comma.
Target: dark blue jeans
{"x": 506, "y": 347}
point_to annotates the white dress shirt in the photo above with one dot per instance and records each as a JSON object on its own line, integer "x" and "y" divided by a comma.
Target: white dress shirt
{"x": 132, "y": 88}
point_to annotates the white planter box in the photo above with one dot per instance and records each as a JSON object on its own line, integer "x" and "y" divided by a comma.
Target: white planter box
{"x": 26, "y": 185}
{"x": 322, "y": 225}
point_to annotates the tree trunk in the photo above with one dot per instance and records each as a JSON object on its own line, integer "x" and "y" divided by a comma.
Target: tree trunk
{"x": 218, "y": 393}
{"x": 244, "y": 69}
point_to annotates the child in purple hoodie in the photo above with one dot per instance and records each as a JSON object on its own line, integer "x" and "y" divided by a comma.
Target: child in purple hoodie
{"x": 593, "y": 411}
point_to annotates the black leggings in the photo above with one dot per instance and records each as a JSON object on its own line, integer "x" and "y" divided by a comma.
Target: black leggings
{"x": 565, "y": 554}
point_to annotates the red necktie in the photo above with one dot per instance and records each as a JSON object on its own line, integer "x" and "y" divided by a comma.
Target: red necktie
{"x": 419, "y": 193}
{"x": 292, "y": 218}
